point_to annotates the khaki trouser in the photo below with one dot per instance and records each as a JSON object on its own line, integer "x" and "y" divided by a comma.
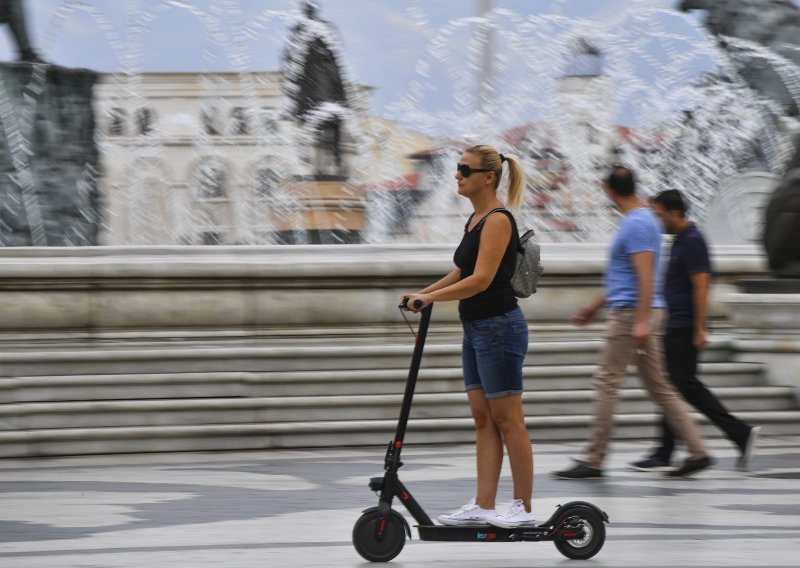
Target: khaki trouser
{"x": 619, "y": 351}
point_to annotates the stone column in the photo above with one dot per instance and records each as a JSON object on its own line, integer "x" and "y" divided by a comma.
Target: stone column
{"x": 48, "y": 156}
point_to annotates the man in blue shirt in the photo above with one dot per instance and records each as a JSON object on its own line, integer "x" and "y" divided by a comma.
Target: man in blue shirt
{"x": 686, "y": 287}
{"x": 635, "y": 317}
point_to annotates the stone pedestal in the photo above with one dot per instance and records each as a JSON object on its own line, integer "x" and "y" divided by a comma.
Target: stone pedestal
{"x": 331, "y": 210}
{"x": 766, "y": 319}
{"x": 48, "y": 156}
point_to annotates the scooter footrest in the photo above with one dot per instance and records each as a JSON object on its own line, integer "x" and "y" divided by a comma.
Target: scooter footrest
{"x": 480, "y": 533}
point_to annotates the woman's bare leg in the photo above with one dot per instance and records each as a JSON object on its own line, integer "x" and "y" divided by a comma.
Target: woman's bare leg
{"x": 488, "y": 449}
{"x": 509, "y": 418}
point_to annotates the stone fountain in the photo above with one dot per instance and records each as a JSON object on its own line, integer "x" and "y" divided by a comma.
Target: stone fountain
{"x": 322, "y": 199}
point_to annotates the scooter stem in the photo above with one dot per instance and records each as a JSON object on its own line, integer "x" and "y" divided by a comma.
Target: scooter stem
{"x": 393, "y": 453}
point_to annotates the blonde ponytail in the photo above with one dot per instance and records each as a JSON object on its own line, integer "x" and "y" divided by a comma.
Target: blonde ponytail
{"x": 493, "y": 160}
{"x": 516, "y": 183}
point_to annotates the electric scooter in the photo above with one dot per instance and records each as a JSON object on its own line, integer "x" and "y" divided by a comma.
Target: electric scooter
{"x": 577, "y": 528}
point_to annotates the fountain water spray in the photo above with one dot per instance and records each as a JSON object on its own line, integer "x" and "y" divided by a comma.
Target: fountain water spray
{"x": 659, "y": 95}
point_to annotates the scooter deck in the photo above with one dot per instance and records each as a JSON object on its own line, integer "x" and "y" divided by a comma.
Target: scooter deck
{"x": 489, "y": 533}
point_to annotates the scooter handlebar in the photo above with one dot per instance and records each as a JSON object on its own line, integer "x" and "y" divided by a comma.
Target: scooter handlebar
{"x": 404, "y": 305}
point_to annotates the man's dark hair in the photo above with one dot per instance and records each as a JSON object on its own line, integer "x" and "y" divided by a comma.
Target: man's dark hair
{"x": 672, "y": 200}
{"x": 621, "y": 181}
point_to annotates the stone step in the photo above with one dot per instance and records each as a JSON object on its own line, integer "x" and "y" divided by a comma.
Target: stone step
{"x": 198, "y": 359}
{"x": 394, "y": 334}
{"x": 197, "y": 412}
{"x": 211, "y": 437}
{"x": 218, "y": 396}
{"x": 255, "y": 359}
{"x": 397, "y": 333}
{"x": 313, "y": 383}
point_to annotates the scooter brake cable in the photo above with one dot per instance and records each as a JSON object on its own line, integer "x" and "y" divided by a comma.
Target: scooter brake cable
{"x": 408, "y": 323}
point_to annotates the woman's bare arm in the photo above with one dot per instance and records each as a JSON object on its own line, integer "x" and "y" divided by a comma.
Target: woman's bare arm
{"x": 446, "y": 281}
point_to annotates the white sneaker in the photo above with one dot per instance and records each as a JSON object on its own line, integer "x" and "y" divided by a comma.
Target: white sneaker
{"x": 749, "y": 447}
{"x": 513, "y": 517}
{"x": 469, "y": 514}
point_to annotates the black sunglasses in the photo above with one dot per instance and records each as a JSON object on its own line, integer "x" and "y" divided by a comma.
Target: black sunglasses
{"x": 465, "y": 170}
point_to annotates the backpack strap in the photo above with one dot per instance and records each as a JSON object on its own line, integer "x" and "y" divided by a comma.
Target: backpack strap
{"x": 514, "y": 230}
{"x": 479, "y": 226}
{"x": 466, "y": 226}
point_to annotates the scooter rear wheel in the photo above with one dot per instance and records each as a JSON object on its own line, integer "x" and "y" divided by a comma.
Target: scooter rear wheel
{"x": 594, "y": 534}
{"x": 372, "y": 549}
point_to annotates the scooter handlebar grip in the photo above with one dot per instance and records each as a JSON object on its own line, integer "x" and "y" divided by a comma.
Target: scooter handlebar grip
{"x": 417, "y": 303}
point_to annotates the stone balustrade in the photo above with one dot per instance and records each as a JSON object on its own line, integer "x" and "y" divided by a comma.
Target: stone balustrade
{"x": 97, "y": 288}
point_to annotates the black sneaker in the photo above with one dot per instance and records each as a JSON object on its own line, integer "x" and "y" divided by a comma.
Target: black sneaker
{"x": 579, "y": 471}
{"x": 650, "y": 464}
{"x": 691, "y": 467}
{"x": 749, "y": 446}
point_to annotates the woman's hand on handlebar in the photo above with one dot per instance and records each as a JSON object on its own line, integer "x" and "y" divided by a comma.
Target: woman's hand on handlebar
{"x": 414, "y": 302}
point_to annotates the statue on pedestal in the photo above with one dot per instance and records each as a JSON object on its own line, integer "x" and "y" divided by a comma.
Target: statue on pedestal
{"x": 11, "y": 13}
{"x": 314, "y": 84}
{"x": 332, "y": 208}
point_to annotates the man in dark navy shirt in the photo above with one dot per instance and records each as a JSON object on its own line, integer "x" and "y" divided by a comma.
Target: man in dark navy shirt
{"x": 686, "y": 285}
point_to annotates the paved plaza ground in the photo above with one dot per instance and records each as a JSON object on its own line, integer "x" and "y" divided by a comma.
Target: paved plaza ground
{"x": 276, "y": 509}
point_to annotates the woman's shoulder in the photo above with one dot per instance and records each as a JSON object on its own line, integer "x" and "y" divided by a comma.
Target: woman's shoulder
{"x": 498, "y": 221}
{"x": 499, "y": 217}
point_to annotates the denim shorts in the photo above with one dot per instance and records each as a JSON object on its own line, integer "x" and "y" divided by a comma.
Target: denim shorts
{"x": 492, "y": 353}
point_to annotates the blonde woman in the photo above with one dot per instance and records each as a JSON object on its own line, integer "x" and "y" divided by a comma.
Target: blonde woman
{"x": 495, "y": 335}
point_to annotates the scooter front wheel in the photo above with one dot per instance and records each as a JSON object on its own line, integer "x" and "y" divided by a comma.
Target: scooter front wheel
{"x": 594, "y": 533}
{"x": 365, "y": 540}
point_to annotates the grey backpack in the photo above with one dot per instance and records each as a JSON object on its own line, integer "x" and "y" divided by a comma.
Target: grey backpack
{"x": 529, "y": 265}
{"x": 529, "y": 259}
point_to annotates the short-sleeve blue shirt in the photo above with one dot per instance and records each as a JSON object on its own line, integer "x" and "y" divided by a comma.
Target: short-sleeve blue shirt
{"x": 689, "y": 256}
{"x": 639, "y": 231}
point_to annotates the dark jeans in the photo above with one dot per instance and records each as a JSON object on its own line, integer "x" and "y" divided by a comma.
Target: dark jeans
{"x": 681, "y": 356}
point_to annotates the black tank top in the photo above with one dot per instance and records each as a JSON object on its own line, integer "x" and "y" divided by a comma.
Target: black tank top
{"x": 498, "y": 298}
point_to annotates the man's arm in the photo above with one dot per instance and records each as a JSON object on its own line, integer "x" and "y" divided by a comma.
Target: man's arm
{"x": 701, "y": 283}
{"x": 643, "y": 264}
{"x": 587, "y": 313}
